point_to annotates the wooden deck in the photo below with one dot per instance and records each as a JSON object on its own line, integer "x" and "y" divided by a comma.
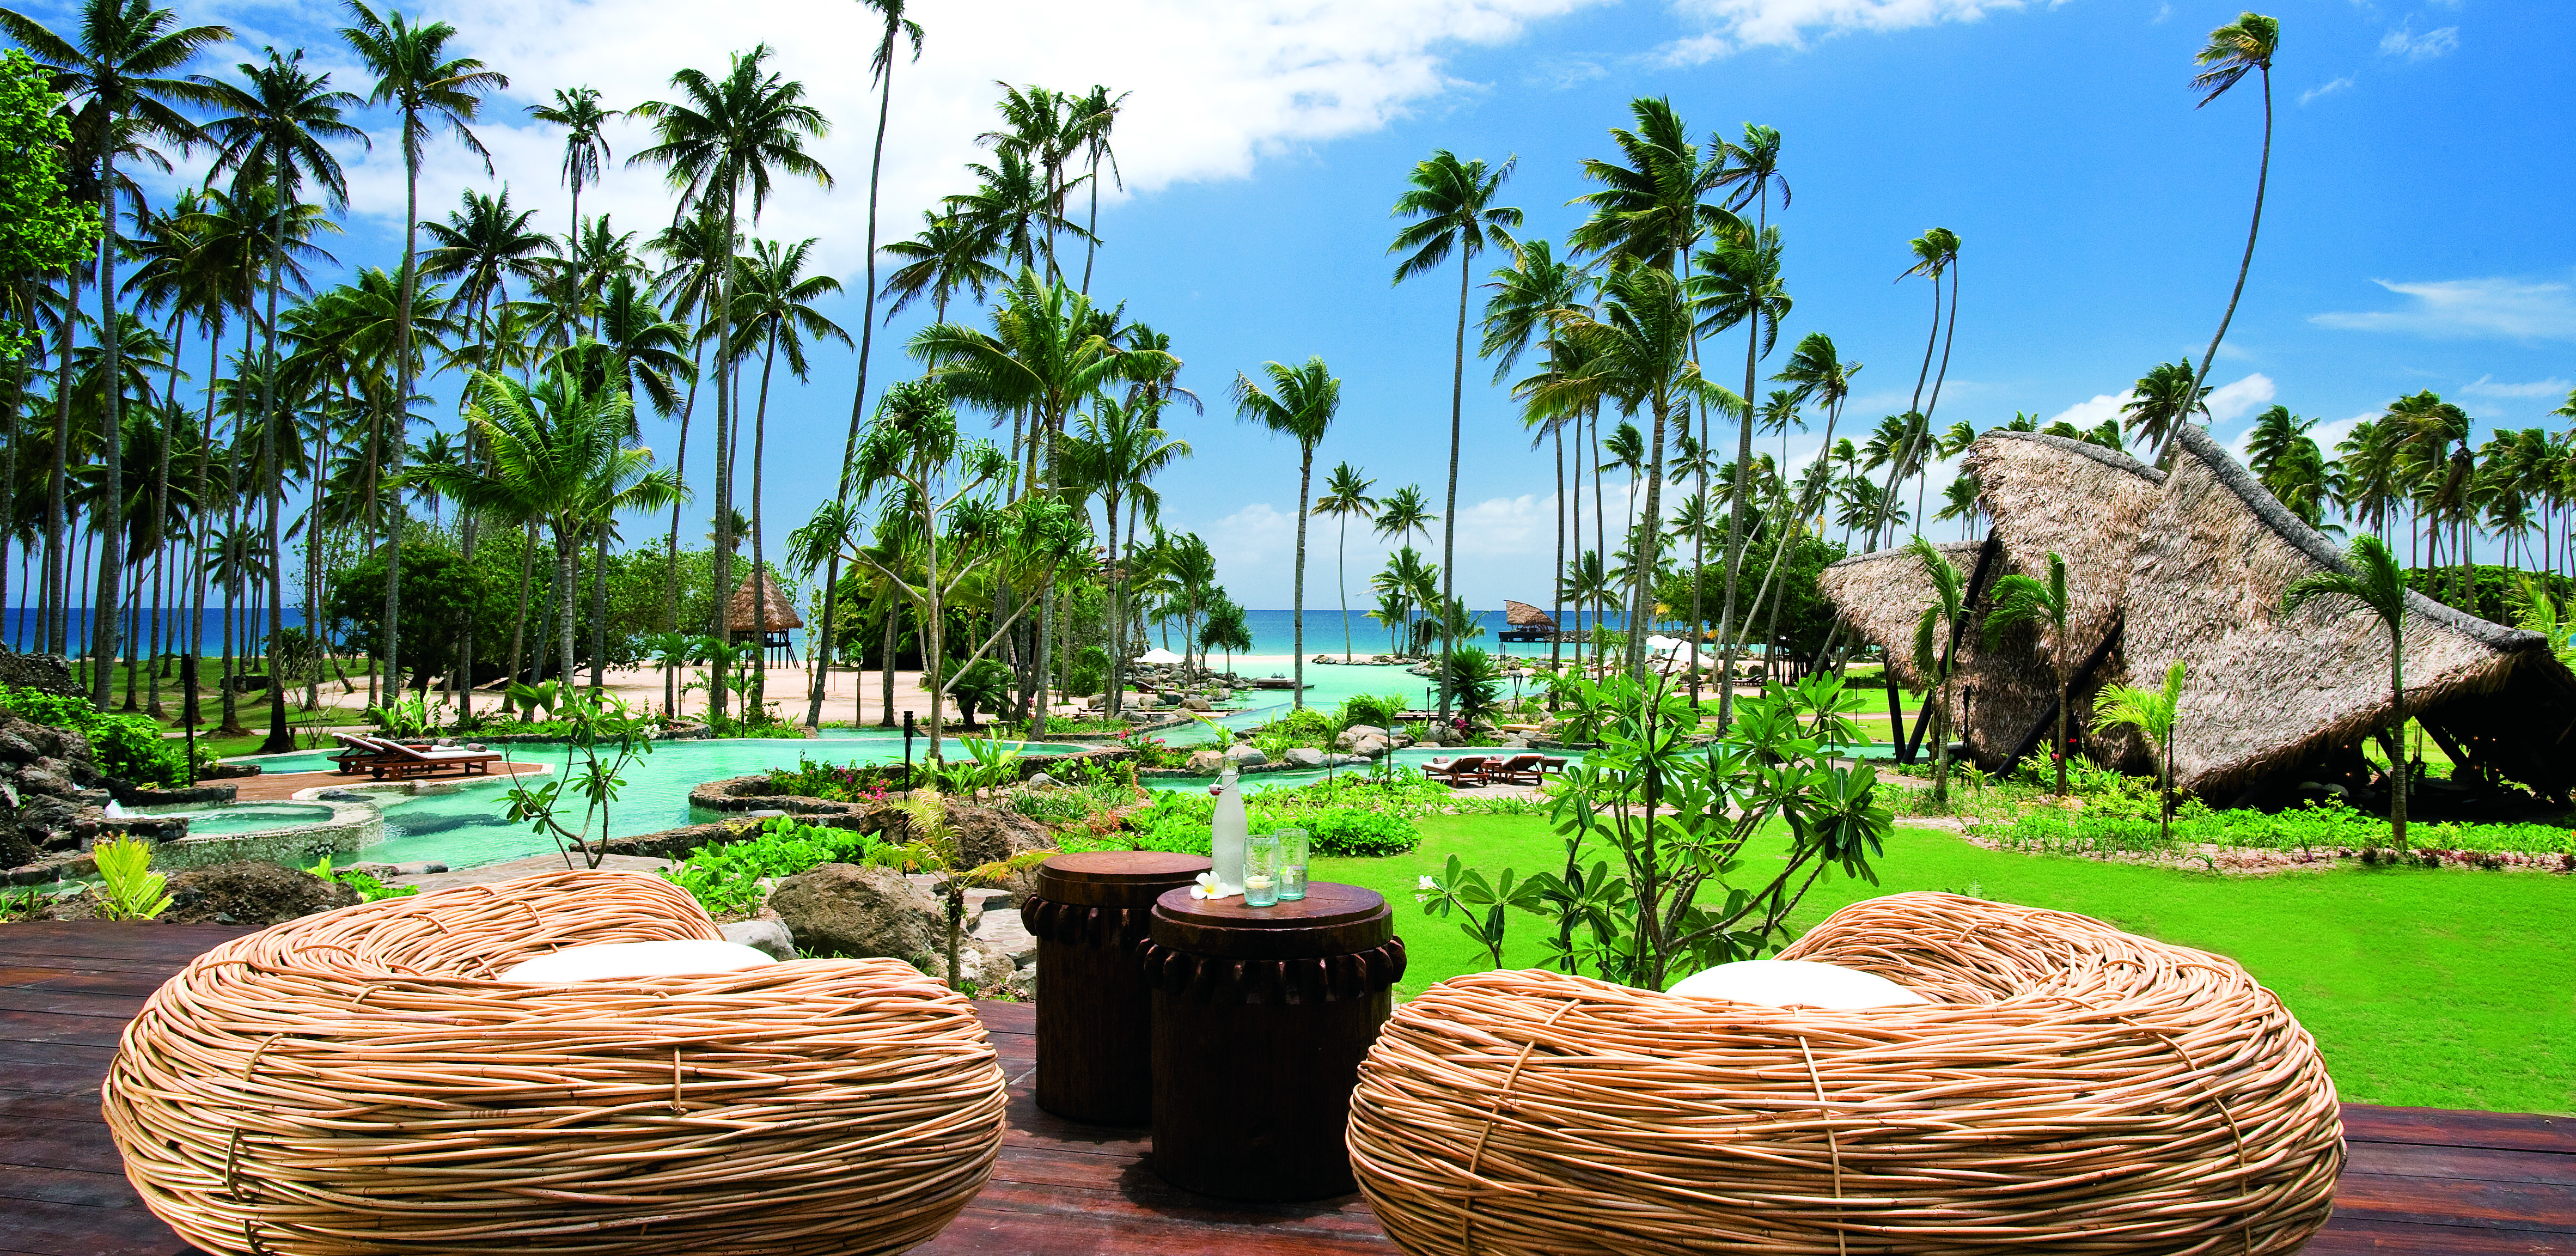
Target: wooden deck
{"x": 2421, "y": 1180}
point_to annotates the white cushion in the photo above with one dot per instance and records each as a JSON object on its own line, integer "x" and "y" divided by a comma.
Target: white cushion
{"x": 1796, "y": 983}
{"x": 611, "y": 961}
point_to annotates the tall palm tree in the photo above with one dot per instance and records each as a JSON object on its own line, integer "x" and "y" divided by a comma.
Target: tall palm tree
{"x": 720, "y": 140}
{"x": 2163, "y": 400}
{"x": 431, "y": 91}
{"x": 2244, "y": 46}
{"x": 1300, "y": 404}
{"x": 123, "y": 68}
{"x": 577, "y": 111}
{"x": 1637, "y": 352}
{"x": 559, "y": 456}
{"x": 948, "y": 255}
{"x": 1527, "y": 295}
{"x": 1120, "y": 448}
{"x": 1817, "y": 373}
{"x": 277, "y": 131}
{"x": 773, "y": 304}
{"x": 1452, "y": 205}
{"x": 1091, "y": 120}
{"x": 1740, "y": 282}
{"x": 1346, "y": 493}
{"x": 2022, "y": 601}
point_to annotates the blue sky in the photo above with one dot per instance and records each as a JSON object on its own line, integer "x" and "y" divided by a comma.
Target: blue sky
{"x": 2415, "y": 235}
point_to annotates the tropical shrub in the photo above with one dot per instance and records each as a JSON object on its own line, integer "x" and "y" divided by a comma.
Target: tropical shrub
{"x": 369, "y": 889}
{"x": 2327, "y": 827}
{"x": 127, "y": 747}
{"x": 835, "y": 782}
{"x": 1359, "y": 834}
{"x": 727, "y": 877}
{"x": 1377, "y": 710}
{"x": 131, "y": 890}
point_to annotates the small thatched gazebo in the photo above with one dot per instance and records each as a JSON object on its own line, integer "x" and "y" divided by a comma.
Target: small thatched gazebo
{"x": 776, "y": 619}
{"x": 1526, "y": 623}
{"x": 2189, "y": 566}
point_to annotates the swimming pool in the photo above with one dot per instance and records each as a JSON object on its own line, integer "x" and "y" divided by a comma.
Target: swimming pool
{"x": 250, "y": 817}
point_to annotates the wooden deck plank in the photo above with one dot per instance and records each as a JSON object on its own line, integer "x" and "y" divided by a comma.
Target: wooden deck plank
{"x": 2419, "y": 1181}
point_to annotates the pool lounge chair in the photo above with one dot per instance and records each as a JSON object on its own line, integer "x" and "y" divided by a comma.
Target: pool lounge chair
{"x": 1519, "y": 769}
{"x": 402, "y": 762}
{"x": 1464, "y": 772}
{"x": 361, "y": 753}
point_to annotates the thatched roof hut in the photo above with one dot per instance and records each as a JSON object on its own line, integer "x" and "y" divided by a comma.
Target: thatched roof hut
{"x": 777, "y": 613}
{"x": 1524, "y": 615}
{"x": 2190, "y": 566}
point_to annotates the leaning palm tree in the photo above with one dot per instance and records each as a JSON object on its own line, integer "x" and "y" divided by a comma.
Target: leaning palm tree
{"x": 2369, "y": 574}
{"x": 430, "y": 90}
{"x": 2044, "y": 607}
{"x": 1739, "y": 282}
{"x": 2244, "y": 46}
{"x": 122, "y": 66}
{"x": 1300, "y": 405}
{"x": 717, "y": 142}
{"x": 1452, "y": 203}
{"x": 556, "y": 454}
{"x": 773, "y": 304}
{"x": 2152, "y": 712}
{"x": 1345, "y": 495}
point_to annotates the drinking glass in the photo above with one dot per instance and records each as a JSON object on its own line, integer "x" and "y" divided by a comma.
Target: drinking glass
{"x": 1292, "y": 864}
{"x": 1261, "y": 870}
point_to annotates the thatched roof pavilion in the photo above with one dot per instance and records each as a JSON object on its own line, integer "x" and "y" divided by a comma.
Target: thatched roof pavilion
{"x": 1526, "y": 622}
{"x": 2190, "y": 566}
{"x": 777, "y": 613}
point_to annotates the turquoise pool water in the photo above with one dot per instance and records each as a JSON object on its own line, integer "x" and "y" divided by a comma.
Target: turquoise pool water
{"x": 251, "y": 816}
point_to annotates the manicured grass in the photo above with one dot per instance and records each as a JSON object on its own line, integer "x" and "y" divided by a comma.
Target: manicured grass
{"x": 2432, "y": 988}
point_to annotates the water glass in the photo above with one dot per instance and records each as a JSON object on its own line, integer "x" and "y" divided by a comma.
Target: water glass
{"x": 1292, "y": 864}
{"x": 1261, "y": 870}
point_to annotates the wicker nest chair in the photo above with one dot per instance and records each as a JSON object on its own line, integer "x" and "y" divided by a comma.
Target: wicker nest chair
{"x": 2070, "y": 1089}
{"x": 357, "y": 1082}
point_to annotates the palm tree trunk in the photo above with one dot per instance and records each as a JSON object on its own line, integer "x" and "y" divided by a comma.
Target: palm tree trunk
{"x": 599, "y": 610}
{"x": 1556, "y": 582}
{"x": 566, "y": 600}
{"x": 2401, "y": 769}
{"x": 519, "y": 623}
{"x": 1600, "y": 533}
{"x": 1342, "y": 578}
{"x": 2262, "y": 182}
{"x": 1643, "y": 563}
{"x": 1734, "y": 531}
{"x": 1449, "y": 515}
{"x": 885, "y": 674}
{"x": 723, "y": 558}
{"x": 858, "y": 405}
{"x": 671, "y": 580}
{"x": 111, "y": 436}
{"x": 1297, "y": 630}
{"x": 760, "y": 589}
{"x": 402, "y": 409}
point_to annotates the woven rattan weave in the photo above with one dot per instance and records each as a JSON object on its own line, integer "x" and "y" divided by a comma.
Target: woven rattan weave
{"x": 2074, "y": 1089}
{"x": 357, "y": 1083}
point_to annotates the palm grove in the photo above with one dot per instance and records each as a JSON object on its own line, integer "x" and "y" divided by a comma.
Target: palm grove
{"x": 517, "y": 540}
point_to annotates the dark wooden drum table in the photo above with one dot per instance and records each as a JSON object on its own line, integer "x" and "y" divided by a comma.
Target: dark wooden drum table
{"x": 1261, "y": 1018}
{"x": 1095, "y": 1036}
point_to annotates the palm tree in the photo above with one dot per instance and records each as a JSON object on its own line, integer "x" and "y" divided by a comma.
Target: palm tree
{"x": 558, "y": 455}
{"x": 1300, "y": 405}
{"x": 2153, "y": 712}
{"x": 1404, "y": 513}
{"x": 430, "y": 90}
{"x": 1936, "y": 253}
{"x": 1933, "y": 660}
{"x": 277, "y": 128}
{"x": 577, "y": 111}
{"x": 773, "y": 304}
{"x": 1637, "y": 352}
{"x": 948, "y": 255}
{"x": 719, "y": 140}
{"x": 1452, "y": 203}
{"x": 2369, "y": 574}
{"x": 2241, "y": 47}
{"x": 1119, "y": 449}
{"x": 1527, "y": 295}
{"x": 1345, "y": 495}
{"x": 484, "y": 245}
{"x": 1654, "y": 209}
{"x": 122, "y": 66}
{"x": 2164, "y": 399}
{"x": 2024, "y": 601}
{"x": 1092, "y": 119}
{"x": 1740, "y": 283}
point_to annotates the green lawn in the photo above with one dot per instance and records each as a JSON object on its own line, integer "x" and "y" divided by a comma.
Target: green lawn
{"x": 2424, "y": 988}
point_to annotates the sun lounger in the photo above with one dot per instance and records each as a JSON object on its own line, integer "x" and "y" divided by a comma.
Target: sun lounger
{"x": 361, "y": 753}
{"x": 1464, "y": 772}
{"x": 1519, "y": 769}
{"x": 403, "y": 762}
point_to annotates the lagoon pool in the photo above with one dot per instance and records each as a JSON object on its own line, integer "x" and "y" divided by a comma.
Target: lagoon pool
{"x": 249, "y": 817}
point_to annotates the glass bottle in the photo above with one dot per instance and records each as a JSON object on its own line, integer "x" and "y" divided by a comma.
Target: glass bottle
{"x": 1226, "y": 833}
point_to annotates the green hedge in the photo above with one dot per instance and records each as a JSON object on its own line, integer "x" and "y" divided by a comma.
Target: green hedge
{"x": 127, "y": 747}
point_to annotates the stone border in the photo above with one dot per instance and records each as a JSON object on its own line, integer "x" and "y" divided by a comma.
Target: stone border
{"x": 353, "y": 826}
{"x": 721, "y": 797}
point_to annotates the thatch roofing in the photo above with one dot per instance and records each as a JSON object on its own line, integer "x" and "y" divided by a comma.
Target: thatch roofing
{"x": 1524, "y": 615}
{"x": 779, "y": 613}
{"x": 2190, "y": 566}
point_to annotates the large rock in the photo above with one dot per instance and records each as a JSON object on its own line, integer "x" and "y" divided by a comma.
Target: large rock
{"x": 769, "y": 937}
{"x": 859, "y": 912}
{"x": 1245, "y": 755}
{"x": 1197, "y": 704}
{"x": 991, "y": 835}
{"x": 1349, "y": 741}
{"x": 1206, "y": 763}
{"x": 1304, "y": 757}
{"x": 251, "y": 893}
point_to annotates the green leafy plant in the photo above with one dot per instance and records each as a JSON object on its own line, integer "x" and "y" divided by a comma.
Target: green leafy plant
{"x": 368, "y": 887}
{"x": 988, "y": 765}
{"x": 1484, "y": 904}
{"x": 2152, "y": 713}
{"x": 127, "y": 747}
{"x": 726, "y": 877}
{"x": 130, "y": 889}
{"x": 605, "y": 737}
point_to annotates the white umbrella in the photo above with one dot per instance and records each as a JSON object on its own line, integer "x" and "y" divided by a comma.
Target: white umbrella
{"x": 1158, "y": 657}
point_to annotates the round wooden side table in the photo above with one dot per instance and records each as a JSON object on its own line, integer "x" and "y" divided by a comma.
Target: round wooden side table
{"x": 1261, "y": 1018}
{"x": 1095, "y": 1037}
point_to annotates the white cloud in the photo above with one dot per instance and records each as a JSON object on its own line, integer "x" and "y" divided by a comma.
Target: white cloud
{"x": 1734, "y": 25}
{"x": 2404, "y": 42}
{"x": 2327, "y": 88}
{"x": 2486, "y": 386}
{"x": 2459, "y": 308}
{"x": 1215, "y": 88}
{"x": 2090, "y": 414}
{"x": 2230, "y": 402}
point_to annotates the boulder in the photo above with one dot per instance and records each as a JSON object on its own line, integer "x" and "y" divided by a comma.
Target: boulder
{"x": 251, "y": 893}
{"x": 1358, "y": 731}
{"x": 1346, "y": 760}
{"x": 991, "y": 835}
{"x": 1197, "y": 704}
{"x": 769, "y": 937}
{"x": 1222, "y": 695}
{"x": 44, "y": 779}
{"x": 15, "y": 748}
{"x": 1002, "y": 933}
{"x": 1206, "y": 763}
{"x": 848, "y": 910}
{"x": 1304, "y": 757}
{"x": 1245, "y": 755}
{"x": 1044, "y": 781}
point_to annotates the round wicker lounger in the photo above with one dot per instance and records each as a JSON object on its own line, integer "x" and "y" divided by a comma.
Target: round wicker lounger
{"x": 357, "y": 1083}
{"x": 2072, "y": 1089}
